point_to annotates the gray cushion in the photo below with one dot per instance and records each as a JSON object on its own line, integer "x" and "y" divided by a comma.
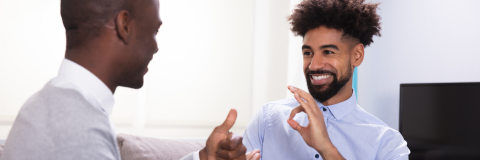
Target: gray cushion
{"x": 144, "y": 148}
{"x": 1, "y": 150}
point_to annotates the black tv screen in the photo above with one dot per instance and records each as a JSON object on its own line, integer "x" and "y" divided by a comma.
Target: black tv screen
{"x": 441, "y": 120}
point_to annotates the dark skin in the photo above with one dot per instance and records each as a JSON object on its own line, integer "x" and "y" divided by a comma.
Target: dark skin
{"x": 119, "y": 56}
{"x": 324, "y": 48}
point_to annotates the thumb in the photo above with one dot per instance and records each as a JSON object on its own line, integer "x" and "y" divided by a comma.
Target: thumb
{"x": 229, "y": 122}
{"x": 294, "y": 124}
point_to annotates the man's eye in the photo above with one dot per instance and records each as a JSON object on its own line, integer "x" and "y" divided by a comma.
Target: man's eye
{"x": 328, "y": 52}
{"x": 307, "y": 53}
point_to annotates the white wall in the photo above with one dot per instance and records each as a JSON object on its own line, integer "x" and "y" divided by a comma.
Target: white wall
{"x": 423, "y": 41}
{"x": 214, "y": 55}
{"x": 203, "y": 67}
{"x": 240, "y": 54}
{"x": 32, "y": 43}
{"x": 270, "y": 52}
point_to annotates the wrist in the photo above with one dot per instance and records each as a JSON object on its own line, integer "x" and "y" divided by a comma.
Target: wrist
{"x": 203, "y": 154}
{"x": 330, "y": 153}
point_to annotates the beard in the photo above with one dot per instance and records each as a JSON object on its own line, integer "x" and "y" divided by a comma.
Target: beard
{"x": 322, "y": 93}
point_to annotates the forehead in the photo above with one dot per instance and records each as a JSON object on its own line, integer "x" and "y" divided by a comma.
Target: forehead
{"x": 322, "y": 36}
{"x": 150, "y": 11}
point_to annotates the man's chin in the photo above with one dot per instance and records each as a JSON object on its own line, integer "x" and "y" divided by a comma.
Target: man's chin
{"x": 320, "y": 88}
{"x": 135, "y": 84}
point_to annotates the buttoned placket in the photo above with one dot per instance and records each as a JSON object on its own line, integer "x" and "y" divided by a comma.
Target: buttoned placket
{"x": 326, "y": 115}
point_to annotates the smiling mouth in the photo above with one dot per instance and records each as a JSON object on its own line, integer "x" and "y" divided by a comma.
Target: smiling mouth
{"x": 320, "y": 79}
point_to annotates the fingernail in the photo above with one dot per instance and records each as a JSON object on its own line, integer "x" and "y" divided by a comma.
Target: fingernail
{"x": 293, "y": 88}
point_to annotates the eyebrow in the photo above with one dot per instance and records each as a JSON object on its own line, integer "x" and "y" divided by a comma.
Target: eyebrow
{"x": 306, "y": 47}
{"x": 321, "y": 47}
{"x": 329, "y": 46}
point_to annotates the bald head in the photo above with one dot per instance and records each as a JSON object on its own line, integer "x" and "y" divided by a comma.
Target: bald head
{"x": 84, "y": 19}
{"x": 113, "y": 39}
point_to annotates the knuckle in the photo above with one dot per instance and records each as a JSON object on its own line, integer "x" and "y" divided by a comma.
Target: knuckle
{"x": 231, "y": 146}
{"x": 230, "y": 155}
{"x": 243, "y": 149}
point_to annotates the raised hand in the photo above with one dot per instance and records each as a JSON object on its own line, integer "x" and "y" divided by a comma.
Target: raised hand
{"x": 222, "y": 144}
{"x": 315, "y": 133}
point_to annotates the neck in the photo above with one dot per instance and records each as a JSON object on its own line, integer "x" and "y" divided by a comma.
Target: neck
{"x": 97, "y": 60}
{"x": 342, "y": 95}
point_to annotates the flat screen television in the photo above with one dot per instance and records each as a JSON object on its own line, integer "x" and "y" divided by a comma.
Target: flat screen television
{"x": 441, "y": 120}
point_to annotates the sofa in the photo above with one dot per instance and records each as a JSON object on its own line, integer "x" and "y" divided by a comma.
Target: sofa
{"x": 145, "y": 148}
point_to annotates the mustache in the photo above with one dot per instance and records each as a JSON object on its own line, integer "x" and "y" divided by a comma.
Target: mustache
{"x": 320, "y": 71}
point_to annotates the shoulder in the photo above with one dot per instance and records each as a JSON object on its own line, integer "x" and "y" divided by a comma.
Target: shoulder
{"x": 59, "y": 106}
{"x": 280, "y": 105}
{"x": 368, "y": 118}
{"x": 277, "y": 110}
{"x": 61, "y": 121}
{"x": 61, "y": 110}
{"x": 376, "y": 127}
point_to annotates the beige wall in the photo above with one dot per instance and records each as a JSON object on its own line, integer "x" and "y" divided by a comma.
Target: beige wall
{"x": 214, "y": 55}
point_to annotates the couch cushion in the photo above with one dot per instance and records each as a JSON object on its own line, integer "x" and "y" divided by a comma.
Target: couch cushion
{"x": 144, "y": 148}
{"x": 1, "y": 150}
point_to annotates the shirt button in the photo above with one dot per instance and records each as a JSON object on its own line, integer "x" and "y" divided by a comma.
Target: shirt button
{"x": 324, "y": 109}
{"x": 316, "y": 156}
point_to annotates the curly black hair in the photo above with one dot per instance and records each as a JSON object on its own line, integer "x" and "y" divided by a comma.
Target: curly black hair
{"x": 354, "y": 17}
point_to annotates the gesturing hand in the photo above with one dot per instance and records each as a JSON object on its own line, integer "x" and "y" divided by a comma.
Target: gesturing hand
{"x": 222, "y": 144}
{"x": 315, "y": 133}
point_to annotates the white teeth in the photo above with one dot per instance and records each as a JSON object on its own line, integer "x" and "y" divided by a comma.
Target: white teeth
{"x": 320, "y": 77}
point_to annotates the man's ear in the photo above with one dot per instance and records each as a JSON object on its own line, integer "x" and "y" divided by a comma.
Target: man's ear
{"x": 358, "y": 55}
{"x": 122, "y": 24}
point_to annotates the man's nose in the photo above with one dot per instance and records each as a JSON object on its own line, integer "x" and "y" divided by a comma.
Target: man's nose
{"x": 317, "y": 62}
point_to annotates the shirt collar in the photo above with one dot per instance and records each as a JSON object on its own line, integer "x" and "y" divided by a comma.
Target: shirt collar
{"x": 93, "y": 87}
{"x": 341, "y": 109}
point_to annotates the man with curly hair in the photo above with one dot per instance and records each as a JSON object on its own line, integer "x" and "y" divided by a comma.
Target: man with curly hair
{"x": 327, "y": 123}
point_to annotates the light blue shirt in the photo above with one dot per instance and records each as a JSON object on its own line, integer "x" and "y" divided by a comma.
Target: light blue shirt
{"x": 356, "y": 133}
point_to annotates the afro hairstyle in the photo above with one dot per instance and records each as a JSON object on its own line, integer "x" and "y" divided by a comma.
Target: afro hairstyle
{"x": 355, "y": 18}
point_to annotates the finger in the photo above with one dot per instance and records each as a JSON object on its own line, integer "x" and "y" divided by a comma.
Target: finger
{"x": 256, "y": 156}
{"x": 294, "y": 124}
{"x": 295, "y": 111}
{"x": 292, "y": 88}
{"x": 228, "y": 123}
{"x": 306, "y": 96}
{"x": 306, "y": 107}
{"x": 231, "y": 143}
{"x": 250, "y": 154}
{"x": 238, "y": 152}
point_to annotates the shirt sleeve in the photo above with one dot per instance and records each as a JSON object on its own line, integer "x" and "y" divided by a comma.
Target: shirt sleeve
{"x": 392, "y": 146}
{"x": 253, "y": 136}
{"x": 192, "y": 156}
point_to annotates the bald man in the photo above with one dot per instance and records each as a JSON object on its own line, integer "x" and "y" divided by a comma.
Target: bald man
{"x": 109, "y": 44}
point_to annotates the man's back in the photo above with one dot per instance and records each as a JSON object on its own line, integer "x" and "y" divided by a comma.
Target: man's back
{"x": 57, "y": 123}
